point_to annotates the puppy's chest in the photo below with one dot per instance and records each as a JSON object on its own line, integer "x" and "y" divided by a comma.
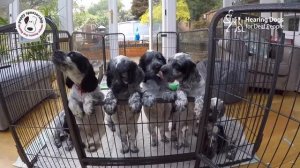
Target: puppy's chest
{"x": 154, "y": 87}
{"x": 195, "y": 90}
{"x": 79, "y": 95}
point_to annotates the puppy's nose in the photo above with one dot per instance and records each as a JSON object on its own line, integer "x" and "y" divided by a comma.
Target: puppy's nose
{"x": 164, "y": 69}
{"x": 29, "y": 28}
{"x": 157, "y": 66}
{"x": 58, "y": 56}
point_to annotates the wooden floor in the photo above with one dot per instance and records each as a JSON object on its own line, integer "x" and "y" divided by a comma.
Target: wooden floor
{"x": 281, "y": 130}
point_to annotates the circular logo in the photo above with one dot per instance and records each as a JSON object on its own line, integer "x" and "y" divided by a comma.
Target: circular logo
{"x": 30, "y": 24}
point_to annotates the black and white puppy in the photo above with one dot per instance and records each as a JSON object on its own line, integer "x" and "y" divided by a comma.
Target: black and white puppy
{"x": 215, "y": 138}
{"x": 158, "y": 114}
{"x": 183, "y": 69}
{"x": 123, "y": 79}
{"x": 84, "y": 97}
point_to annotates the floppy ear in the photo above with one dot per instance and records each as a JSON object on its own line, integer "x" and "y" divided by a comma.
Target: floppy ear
{"x": 69, "y": 82}
{"x": 190, "y": 71}
{"x": 142, "y": 62}
{"x": 139, "y": 75}
{"x": 109, "y": 75}
{"x": 89, "y": 83}
{"x": 26, "y": 19}
{"x": 132, "y": 67}
{"x": 162, "y": 57}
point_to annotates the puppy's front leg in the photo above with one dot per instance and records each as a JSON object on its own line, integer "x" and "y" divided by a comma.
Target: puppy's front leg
{"x": 57, "y": 139}
{"x": 135, "y": 102}
{"x": 181, "y": 101}
{"x": 148, "y": 99}
{"x": 75, "y": 108}
{"x": 69, "y": 146}
{"x": 110, "y": 103}
{"x": 169, "y": 96}
{"x": 198, "y": 106}
{"x": 88, "y": 105}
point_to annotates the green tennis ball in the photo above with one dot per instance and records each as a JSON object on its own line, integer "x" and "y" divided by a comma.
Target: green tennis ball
{"x": 173, "y": 86}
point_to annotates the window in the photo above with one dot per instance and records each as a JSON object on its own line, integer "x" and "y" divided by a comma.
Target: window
{"x": 4, "y": 19}
{"x": 291, "y": 1}
{"x": 293, "y": 24}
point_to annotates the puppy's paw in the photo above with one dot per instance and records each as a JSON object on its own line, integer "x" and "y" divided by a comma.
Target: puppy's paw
{"x": 91, "y": 148}
{"x": 198, "y": 106}
{"x": 173, "y": 136}
{"x": 90, "y": 110}
{"x": 125, "y": 149}
{"x": 230, "y": 155}
{"x": 165, "y": 139}
{"x": 78, "y": 114}
{"x": 134, "y": 149}
{"x": 180, "y": 105}
{"x": 177, "y": 146}
{"x": 69, "y": 147}
{"x": 181, "y": 101}
{"x": 57, "y": 143}
{"x": 148, "y": 99}
{"x": 110, "y": 106}
{"x": 154, "y": 142}
{"x": 186, "y": 144}
{"x": 135, "y": 103}
{"x": 168, "y": 96}
{"x": 111, "y": 126}
{"x": 75, "y": 108}
{"x": 110, "y": 103}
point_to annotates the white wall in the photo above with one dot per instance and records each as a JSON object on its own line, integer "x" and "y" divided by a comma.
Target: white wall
{"x": 169, "y": 25}
{"x": 227, "y": 3}
{"x": 113, "y": 28}
{"x": 14, "y": 10}
{"x": 65, "y": 11}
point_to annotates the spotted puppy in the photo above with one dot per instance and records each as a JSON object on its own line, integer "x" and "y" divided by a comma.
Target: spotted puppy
{"x": 123, "y": 79}
{"x": 183, "y": 69}
{"x": 154, "y": 86}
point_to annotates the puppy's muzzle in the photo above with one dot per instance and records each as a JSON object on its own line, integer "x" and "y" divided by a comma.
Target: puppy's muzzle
{"x": 118, "y": 87}
{"x": 166, "y": 73}
{"x": 156, "y": 67}
{"x": 58, "y": 57}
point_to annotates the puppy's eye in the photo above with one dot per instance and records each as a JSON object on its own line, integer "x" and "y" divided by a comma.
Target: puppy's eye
{"x": 124, "y": 75}
{"x": 176, "y": 66}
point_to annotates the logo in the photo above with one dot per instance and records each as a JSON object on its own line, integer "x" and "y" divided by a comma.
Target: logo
{"x": 240, "y": 24}
{"x": 236, "y": 21}
{"x": 30, "y": 24}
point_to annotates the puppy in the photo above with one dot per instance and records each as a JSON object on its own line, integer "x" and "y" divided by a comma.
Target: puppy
{"x": 215, "y": 112}
{"x": 215, "y": 138}
{"x": 61, "y": 132}
{"x": 158, "y": 114}
{"x": 85, "y": 94}
{"x": 123, "y": 79}
{"x": 183, "y": 69}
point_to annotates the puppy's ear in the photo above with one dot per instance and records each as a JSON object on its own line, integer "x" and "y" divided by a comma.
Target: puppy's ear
{"x": 109, "y": 76}
{"x": 69, "y": 82}
{"x": 142, "y": 62}
{"x": 221, "y": 108}
{"x": 26, "y": 19}
{"x": 135, "y": 74}
{"x": 162, "y": 57}
{"x": 190, "y": 71}
{"x": 132, "y": 67}
{"x": 89, "y": 83}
